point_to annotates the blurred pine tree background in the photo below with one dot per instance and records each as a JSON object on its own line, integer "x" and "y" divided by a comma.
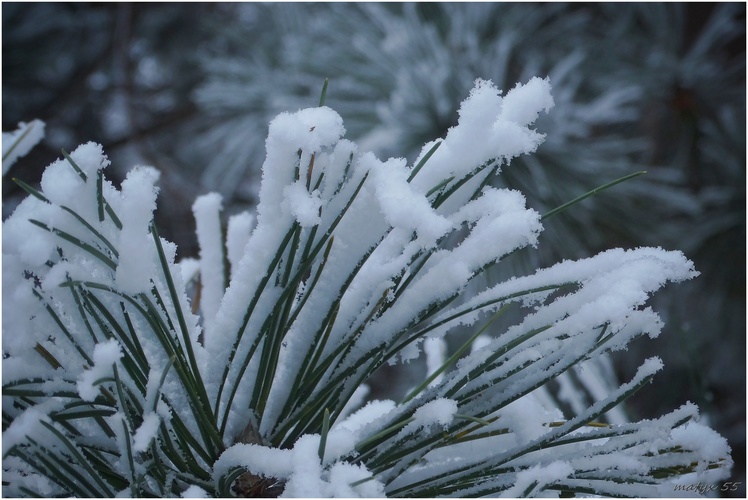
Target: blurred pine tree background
{"x": 190, "y": 89}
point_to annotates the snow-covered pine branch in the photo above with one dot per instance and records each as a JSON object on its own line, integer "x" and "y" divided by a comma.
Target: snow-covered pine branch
{"x": 123, "y": 375}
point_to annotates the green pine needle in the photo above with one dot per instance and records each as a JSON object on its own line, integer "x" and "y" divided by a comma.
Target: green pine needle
{"x": 323, "y": 95}
{"x": 592, "y": 192}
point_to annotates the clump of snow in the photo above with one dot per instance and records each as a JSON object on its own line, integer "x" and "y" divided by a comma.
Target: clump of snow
{"x": 26, "y": 424}
{"x": 309, "y": 130}
{"x": 368, "y": 414}
{"x": 137, "y": 261}
{"x": 105, "y": 355}
{"x": 90, "y": 158}
{"x": 59, "y": 180}
{"x": 25, "y": 242}
{"x": 536, "y": 478}
{"x": 260, "y": 460}
{"x": 237, "y": 234}
{"x": 340, "y": 441}
{"x": 439, "y": 411}
{"x": 490, "y": 127}
{"x": 515, "y": 417}
{"x": 402, "y": 206}
{"x": 698, "y": 437}
{"x": 523, "y": 103}
{"x": 207, "y": 211}
{"x": 195, "y": 491}
{"x": 189, "y": 268}
{"x": 308, "y": 479}
{"x": 479, "y": 343}
{"x": 146, "y": 432}
{"x": 304, "y": 206}
{"x": 301, "y": 469}
{"x": 306, "y": 476}
{"x": 344, "y": 475}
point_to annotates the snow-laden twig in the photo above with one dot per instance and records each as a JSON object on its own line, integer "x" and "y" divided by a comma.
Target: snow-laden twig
{"x": 116, "y": 386}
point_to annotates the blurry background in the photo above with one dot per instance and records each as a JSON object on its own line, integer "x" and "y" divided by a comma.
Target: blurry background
{"x": 190, "y": 89}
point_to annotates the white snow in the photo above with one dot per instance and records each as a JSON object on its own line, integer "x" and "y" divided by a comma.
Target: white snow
{"x": 390, "y": 229}
{"x": 526, "y": 418}
{"x": 90, "y": 158}
{"x": 207, "y": 211}
{"x": 105, "y": 355}
{"x": 306, "y": 479}
{"x": 30, "y": 245}
{"x": 189, "y": 269}
{"x": 343, "y": 475}
{"x": 536, "y": 478}
{"x": 60, "y": 181}
{"x": 137, "y": 259}
{"x": 523, "y": 103}
{"x": 146, "y": 432}
{"x": 436, "y": 352}
{"x": 19, "y": 142}
{"x": 368, "y": 414}
{"x": 698, "y": 437}
{"x": 301, "y": 468}
{"x": 237, "y": 234}
{"x": 260, "y": 460}
{"x": 402, "y": 206}
{"x": 195, "y": 492}
{"x": 20, "y": 368}
{"x": 304, "y": 206}
{"x": 614, "y": 283}
{"x": 340, "y": 441}
{"x": 486, "y": 131}
{"x": 309, "y": 480}
{"x": 311, "y": 131}
{"x": 355, "y": 402}
{"x": 26, "y": 424}
{"x": 479, "y": 343}
{"x": 439, "y": 411}
{"x": 308, "y": 130}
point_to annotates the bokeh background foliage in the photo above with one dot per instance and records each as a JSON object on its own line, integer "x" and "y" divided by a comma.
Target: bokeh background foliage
{"x": 190, "y": 88}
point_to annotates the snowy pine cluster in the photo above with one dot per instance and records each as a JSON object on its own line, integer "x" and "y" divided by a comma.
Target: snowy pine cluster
{"x": 128, "y": 372}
